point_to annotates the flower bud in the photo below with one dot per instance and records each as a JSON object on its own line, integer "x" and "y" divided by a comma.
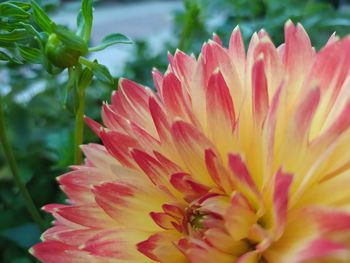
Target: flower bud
{"x": 59, "y": 54}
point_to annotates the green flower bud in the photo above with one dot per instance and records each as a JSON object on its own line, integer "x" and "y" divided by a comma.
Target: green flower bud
{"x": 60, "y": 54}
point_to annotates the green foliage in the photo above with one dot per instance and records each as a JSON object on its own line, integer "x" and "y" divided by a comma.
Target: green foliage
{"x": 13, "y": 11}
{"x": 70, "y": 39}
{"x": 60, "y": 54}
{"x": 30, "y": 54}
{"x": 41, "y": 18}
{"x": 100, "y": 71}
{"x": 110, "y": 40}
{"x": 40, "y": 120}
{"x": 86, "y": 11}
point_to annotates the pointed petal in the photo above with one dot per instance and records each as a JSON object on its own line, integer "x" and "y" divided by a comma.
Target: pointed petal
{"x": 57, "y": 252}
{"x": 322, "y": 248}
{"x": 191, "y": 145}
{"x": 217, "y": 39}
{"x": 237, "y": 50}
{"x": 128, "y": 204}
{"x": 304, "y": 114}
{"x": 222, "y": 241}
{"x": 155, "y": 171}
{"x": 220, "y": 110}
{"x": 158, "y": 80}
{"x": 218, "y": 172}
{"x": 134, "y": 99}
{"x": 160, "y": 247}
{"x": 89, "y": 215}
{"x": 118, "y": 145}
{"x": 329, "y": 69}
{"x": 77, "y": 184}
{"x": 260, "y": 91}
{"x": 160, "y": 120}
{"x": 94, "y": 126}
{"x": 283, "y": 182}
{"x": 183, "y": 66}
{"x": 330, "y": 219}
{"x": 115, "y": 244}
{"x": 298, "y": 53}
{"x": 175, "y": 99}
{"x": 242, "y": 179}
{"x": 239, "y": 217}
{"x": 163, "y": 220}
{"x": 186, "y": 185}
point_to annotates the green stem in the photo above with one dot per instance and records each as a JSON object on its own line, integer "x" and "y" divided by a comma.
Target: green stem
{"x": 14, "y": 170}
{"x": 79, "y": 125}
{"x": 187, "y": 30}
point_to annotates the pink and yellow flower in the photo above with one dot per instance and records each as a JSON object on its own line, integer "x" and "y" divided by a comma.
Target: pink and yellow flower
{"x": 238, "y": 157}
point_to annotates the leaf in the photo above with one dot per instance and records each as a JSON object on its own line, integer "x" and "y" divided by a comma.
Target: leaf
{"x": 100, "y": 71}
{"x": 30, "y": 54}
{"x": 73, "y": 74}
{"x": 23, "y": 5}
{"x": 41, "y": 18}
{"x": 72, "y": 100}
{"x": 85, "y": 78}
{"x": 86, "y": 8}
{"x": 9, "y": 25}
{"x": 13, "y": 11}
{"x": 14, "y": 35}
{"x": 80, "y": 24}
{"x": 110, "y": 40}
{"x": 72, "y": 78}
{"x": 70, "y": 39}
{"x": 30, "y": 29}
{"x": 4, "y": 56}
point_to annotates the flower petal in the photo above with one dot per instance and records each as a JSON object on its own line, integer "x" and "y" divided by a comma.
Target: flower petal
{"x": 57, "y": 252}
{"x": 191, "y": 145}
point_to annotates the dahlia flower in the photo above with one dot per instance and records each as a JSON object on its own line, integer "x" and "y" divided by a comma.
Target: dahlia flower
{"x": 238, "y": 157}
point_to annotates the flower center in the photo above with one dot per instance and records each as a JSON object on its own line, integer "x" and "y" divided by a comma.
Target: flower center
{"x": 196, "y": 220}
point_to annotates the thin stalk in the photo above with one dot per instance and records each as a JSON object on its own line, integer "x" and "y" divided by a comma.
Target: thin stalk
{"x": 34, "y": 212}
{"x": 187, "y": 30}
{"x": 79, "y": 126}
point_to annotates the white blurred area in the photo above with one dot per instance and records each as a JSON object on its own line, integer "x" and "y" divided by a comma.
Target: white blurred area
{"x": 150, "y": 20}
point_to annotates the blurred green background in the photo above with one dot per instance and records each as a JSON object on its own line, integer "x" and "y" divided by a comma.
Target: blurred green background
{"x": 41, "y": 128}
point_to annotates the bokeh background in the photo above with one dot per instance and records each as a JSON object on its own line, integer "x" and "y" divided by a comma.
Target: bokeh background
{"x": 40, "y": 125}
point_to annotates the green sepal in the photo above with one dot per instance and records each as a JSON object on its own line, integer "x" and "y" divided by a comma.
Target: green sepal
{"x": 23, "y": 5}
{"x": 85, "y": 78}
{"x": 9, "y": 25}
{"x": 72, "y": 78}
{"x": 14, "y": 35}
{"x": 100, "y": 71}
{"x": 59, "y": 54}
{"x": 110, "y": 40}
{"x": 5, "y": 57}
{"x": 13, "y": 58}
{"x": 13, "y": 12}
{"x": 72, "y": 100}
{"x": 30, "y": 54}
{"x": 71, "y": 40}
{"x": 87, "y": 13}
{"x": 30, "y": 29}
{"x": 73, "y": 74}
{"x": 80, "y": 24}
{"x": 41, "y": 18}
